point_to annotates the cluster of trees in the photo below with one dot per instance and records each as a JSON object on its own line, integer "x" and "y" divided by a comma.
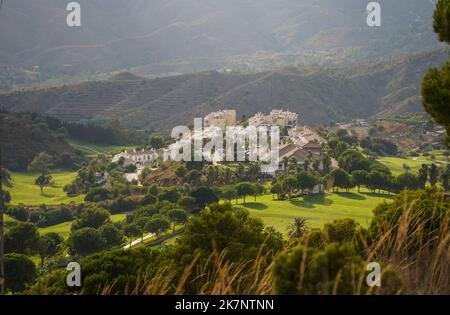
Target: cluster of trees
{"x": 24, "y": 240}
{"x": 241, "y": 190}
{"x": 93, "y": 231}
{"x": 91, "y": 175}
{"x": 343, "y": 140}
{"x": 435, "y": 86}
{"x": 44, "y": 215}
{"x": 288, "y": 187}
{"x": 24, "y": 136}
{"x": 198, "y": 174}
{"x": 325, "y": 261}
{"x": 379, "y": 146}
{"x": 217, "y": 229}
{"x": 380, "y": 179}
{"x": 109, "y": 132}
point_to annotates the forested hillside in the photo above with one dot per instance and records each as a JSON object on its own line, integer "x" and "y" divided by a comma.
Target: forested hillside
{"x": 23, "y": 136}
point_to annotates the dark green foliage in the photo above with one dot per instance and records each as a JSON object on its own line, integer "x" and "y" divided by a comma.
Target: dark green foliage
{"x": 340, "y": 231}
{"x": 112, "y": 235}
{"x": 19, "y": 212}
{"x": 149, "y": 199}
{"x": 122, "y": 204}
{"x": 22, "y": 238}
{"x": 188, "y": 203}
{"x": 121, "y": 268}
{"x": 92, "y": 217}
{"x": 157, "y": 226}
{"x": 428, "y": 206}
{"x": 42, "y": 181}
{"x": 219, "y": 227}
{"x": 98, "y": 194}
{"x": 204, "y": 196}
{"x": 156, "y": 142}
{"x": 19, "y": 271}
{"x": 423, "y": 175}
{"x": 407, "y": 181}
{"x": 177, "y": 216}
{"x": 49, "y": 245}
{"x": 245, "y": 189}
{"x": 85, "y": 241}
{"x": 359, "y": 178}
{"x": 433, "y": 173}
{"x": 298, "y": 228}
{"x": 321, "y": 270}
{"x": 436, "y": 84}
{"x": 379, "y": 146}
{"x": 306, "y": 180}
{"x": 352, "y": 160}
{"x": 26, "y": 135}
{"x": 441, "y": 18}
{"x": 341, "y": 179}
{"x": 172, "y": 195}
{"x": 46, "y": 216}
{"x": 132, "y": 230}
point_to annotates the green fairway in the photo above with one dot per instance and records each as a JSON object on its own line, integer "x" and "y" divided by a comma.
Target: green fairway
{"x": 9, "y": 222}
{"x": 395, "y": 164}
{"x": 92, "y": 150}
{"x": 62, "y": 229}
{"x": 25, "y": 191}
{"x": 318, "y": 209}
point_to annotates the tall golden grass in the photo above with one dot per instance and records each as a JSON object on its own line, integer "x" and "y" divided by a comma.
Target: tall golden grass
{"x": 423, "y": 265}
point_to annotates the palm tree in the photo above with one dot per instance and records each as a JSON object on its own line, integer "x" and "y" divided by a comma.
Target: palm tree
{"x": 298, "y": 228}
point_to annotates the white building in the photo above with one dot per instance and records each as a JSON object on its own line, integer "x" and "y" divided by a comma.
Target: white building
{"x": 141, "y": 157}
{"x": 221, "y": 119}
{"x": 277, "y": 117}
{"x": 302, "y": 135}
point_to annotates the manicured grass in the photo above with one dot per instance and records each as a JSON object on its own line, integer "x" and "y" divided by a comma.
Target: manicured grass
{"x": 317, "y": 209}
{"x": 25, "y": 191}
{"x": 119, "y": 217}
{"x": 9, "y": 222}
{"x": 395, "y": 164}
{"x": 92, "y": 150}
{"x": 62, "y": 229}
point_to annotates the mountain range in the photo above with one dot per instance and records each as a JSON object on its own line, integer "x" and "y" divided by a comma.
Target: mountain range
{"x": 319, "y": 94}
{"x": 159, "y": 37}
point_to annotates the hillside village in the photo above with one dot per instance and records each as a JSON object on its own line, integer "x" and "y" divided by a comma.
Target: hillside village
{"x": 299, "y": 143}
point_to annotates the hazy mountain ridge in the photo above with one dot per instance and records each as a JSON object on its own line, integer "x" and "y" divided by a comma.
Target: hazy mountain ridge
{"x": 120, "y": 34}
{"x": 366, "y": 90}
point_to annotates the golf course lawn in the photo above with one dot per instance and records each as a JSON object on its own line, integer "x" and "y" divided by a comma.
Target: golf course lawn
{"x": 62, "y": 229}
{"x": 9, "y": 222}
{"x": 25, "y": 191}
{"x": 395, "y": 164}
{"x": 317, "y": 209}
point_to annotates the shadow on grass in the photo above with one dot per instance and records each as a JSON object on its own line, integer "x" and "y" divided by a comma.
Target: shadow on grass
{"x": 350, "y": 195}
{"x": 255, "y": 205}
{"x": 382, "y": 195}
{"x": 47, "y": 195}
{"x": 310, "y": 201}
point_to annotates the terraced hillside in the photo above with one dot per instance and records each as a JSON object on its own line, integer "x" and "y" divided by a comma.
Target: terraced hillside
{"x": 370, "y": 90}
